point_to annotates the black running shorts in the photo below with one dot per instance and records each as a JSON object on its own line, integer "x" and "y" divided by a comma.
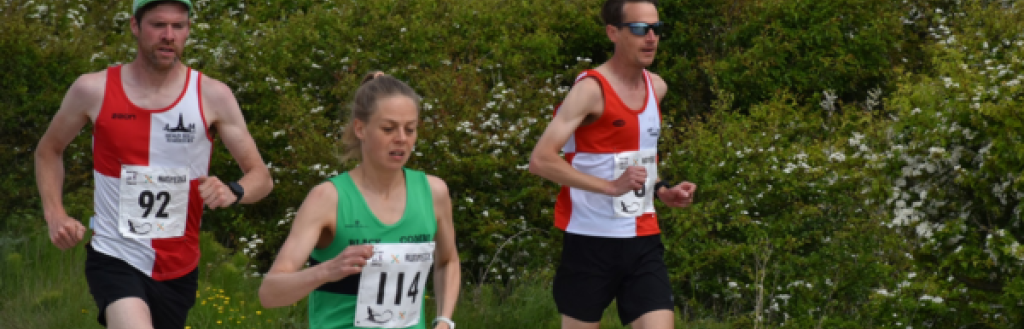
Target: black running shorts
{"x": 111, "y": 279}
{"x": 595, "y": 270}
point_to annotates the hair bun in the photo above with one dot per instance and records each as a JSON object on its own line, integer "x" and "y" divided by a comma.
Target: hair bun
{"x": 371, "y": 76}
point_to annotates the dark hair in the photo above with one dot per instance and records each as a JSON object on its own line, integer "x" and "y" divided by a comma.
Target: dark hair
{"x": 611, "y": 13}
{"x": 149, "y": 6}
{"x": 375, "y": 86}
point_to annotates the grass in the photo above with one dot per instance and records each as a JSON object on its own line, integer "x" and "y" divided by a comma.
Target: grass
{"x": 43, "y": 287}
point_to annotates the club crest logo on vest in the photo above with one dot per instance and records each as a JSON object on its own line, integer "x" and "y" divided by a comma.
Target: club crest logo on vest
{"x": 180, "y": 133}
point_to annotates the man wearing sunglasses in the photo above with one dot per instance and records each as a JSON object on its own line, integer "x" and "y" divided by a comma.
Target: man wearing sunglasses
{"x": 608, "y": 128}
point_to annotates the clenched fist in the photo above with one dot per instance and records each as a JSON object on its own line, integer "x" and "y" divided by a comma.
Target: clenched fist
{"x": 632, "y": 179}
{"x": 679, "y": 196}
{"x": 350, "y": 261}
{"x": 65, "y": 231}
{"x": 215, "y": 193}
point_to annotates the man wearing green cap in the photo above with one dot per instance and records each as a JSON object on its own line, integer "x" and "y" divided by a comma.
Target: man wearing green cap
{"x": 153, "y": 121}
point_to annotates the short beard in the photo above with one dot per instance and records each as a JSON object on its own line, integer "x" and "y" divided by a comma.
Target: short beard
{"x": 154, "y": 62}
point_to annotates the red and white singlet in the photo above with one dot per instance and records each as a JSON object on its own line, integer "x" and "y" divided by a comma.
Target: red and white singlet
{"x": 620, "y": 138}
{"x": 145, "y": 162}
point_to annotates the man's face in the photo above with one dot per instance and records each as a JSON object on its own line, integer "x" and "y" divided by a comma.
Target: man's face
{"x": 640, "y": 49}
{"x": 161, "y": 34}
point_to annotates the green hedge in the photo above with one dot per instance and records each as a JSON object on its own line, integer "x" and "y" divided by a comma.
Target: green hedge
{"x": 856, "y": 168}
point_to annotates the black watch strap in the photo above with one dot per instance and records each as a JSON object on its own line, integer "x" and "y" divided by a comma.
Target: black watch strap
{"x": 657, "y": 186}
{"x": 237, "y": 190}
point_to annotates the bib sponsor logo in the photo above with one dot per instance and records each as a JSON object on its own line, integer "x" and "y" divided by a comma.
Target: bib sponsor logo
{"x": 379, "y": 317}
{"x": 135, "y": 178}
{"x": 178, "y": 179}
{"x": 377, "y": 259}
{"x": 180, "y": 133}
{"x": 424, "y": 257}
{"x": 624, "y": 162}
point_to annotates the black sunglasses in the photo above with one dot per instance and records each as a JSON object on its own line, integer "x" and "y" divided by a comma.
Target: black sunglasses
{"x": 640, "y": 29}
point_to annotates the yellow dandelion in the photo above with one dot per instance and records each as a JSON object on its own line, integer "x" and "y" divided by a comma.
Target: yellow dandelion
{"x": 239, "y": 322}
{"x": 204, "y": 302}
{"x": 243, "y": 317}
{"x": 218, "y": 321}
{"x": 84, "y": 311}
{"x": 259, "y": 312}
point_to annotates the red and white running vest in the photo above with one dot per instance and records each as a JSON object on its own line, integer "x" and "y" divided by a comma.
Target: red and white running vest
{"x": 620, "y": 138}
{"x": 127, "y": 136}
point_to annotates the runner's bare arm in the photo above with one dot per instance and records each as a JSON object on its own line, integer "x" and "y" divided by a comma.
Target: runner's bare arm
{"x": 287, "y": 282}
{"x": 584, "y": 99}
{"x": 222, "y": 109}
{"x": 81, "y": 102}
{"x": 447, "y": 269}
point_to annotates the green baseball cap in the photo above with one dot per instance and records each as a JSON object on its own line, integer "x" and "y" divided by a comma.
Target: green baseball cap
{"x": 137, "y": 4}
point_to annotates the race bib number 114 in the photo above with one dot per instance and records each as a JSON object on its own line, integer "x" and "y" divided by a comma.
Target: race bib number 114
{"x": 392, "y": 283}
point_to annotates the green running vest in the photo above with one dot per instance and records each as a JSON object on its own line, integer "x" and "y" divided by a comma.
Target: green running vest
{"x": 332, "y": 305}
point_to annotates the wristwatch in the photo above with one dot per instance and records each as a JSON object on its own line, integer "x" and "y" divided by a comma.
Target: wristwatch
{"x": 451, "y": 324}
{"x": 237, "y": 190}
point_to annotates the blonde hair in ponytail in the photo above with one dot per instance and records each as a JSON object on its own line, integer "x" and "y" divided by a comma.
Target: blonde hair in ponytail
{"x": 375, "y": 86}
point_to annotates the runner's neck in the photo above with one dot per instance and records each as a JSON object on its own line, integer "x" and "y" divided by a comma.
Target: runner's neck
{"x": 382, "y": 183}
{"x": 149, "y": 78}
{"x": 630, "y": 76}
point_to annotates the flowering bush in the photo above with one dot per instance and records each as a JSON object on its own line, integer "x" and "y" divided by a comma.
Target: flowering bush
{"x": 870, "y": 179}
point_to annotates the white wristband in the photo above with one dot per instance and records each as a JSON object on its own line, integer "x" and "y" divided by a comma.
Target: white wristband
{"x": 451, "y": 324}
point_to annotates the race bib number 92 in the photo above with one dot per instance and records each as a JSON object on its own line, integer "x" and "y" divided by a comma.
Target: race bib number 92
{"x": 153, "y": 202}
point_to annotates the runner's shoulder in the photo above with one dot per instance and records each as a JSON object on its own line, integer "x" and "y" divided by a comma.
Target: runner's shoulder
{"x": 213, "y": 89}
{"x": 88, "y": 88}
{"x": 660, "y": 86}
{"x": 323, "y": 192}
{"x": 438, "y": 188}
{"x": 585, "y": 97}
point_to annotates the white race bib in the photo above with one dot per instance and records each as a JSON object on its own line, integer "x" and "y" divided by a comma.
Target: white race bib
{"x": 392, "y": 283}
{"x": 153, "y": 202}
{"x": 637, "y": 202}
